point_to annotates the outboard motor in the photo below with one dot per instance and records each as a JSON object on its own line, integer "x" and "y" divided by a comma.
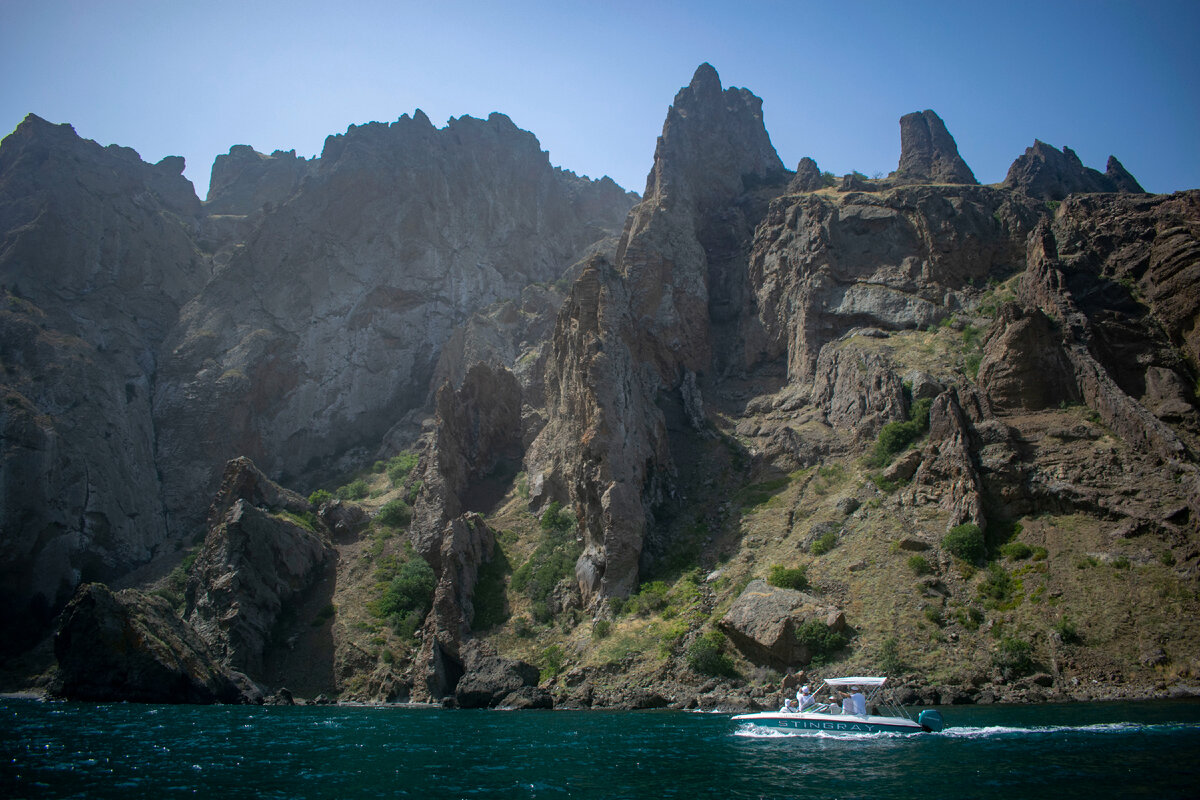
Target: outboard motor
{"x": 930, "y": 720}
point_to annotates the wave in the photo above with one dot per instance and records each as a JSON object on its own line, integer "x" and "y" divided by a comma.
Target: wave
{"x": 1097, "y": 728}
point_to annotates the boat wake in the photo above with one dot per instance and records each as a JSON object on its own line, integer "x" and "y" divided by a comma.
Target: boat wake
{"x": 751, "y": 731}
{"x": 1119, "y": 728}
{"x": 987, "y": 732}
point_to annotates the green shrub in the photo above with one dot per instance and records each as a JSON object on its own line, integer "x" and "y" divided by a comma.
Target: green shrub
{"x": 320, "y": 497}
{"x": 1120, "y": 562}
{"x": 970, "y": 617}
{"x": 551, "y": 661}
{"x": 1040, "y": 553}
{"x": 934, "y": 615}
{"x": 997, "y": 586}
{"x": 788, "y": 578}
{"x": 966, "y": 542}
{"x": 408, "y": 596}
{"x": 1067, "y": 631}
{"x": 819, "y": 639}
{"x": 1016, "y": 551}
{"x": 1167, "y": 558}
{"x": 889, "y": 657}
{"x": 489, "y": 602}
{"x": 918, "y": 564}
{"x": 705, "y": 657}
{"x": 824, "y": 544}
{"x": 550, "y": 562}
{"x": 400, "y": 466}
{"x": 394, "y": 514}
{"x": 355, "y": 490}
{"x": 1013, "y": 657}
{"x": 601, "y": 629}
{"x": 555, "y": 519}
{"x": 651, "y": 597}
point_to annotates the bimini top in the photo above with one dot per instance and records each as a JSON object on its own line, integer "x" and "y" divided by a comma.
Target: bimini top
{"x": 860, "y": 681}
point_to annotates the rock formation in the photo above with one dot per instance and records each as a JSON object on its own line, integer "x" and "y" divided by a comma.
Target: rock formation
{"x": 928, "y": 153}
{"x": 1049, "y": 174}
{"x": 808, "y": 177}
{"x": 261, "y": 556}
{"x": 131, "y": 647}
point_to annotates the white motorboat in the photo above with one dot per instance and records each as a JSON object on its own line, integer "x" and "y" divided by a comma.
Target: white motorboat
{"x": 867, "y": 708}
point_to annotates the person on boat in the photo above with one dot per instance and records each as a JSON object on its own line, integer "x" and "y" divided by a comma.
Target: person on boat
{"x": 858, "y": 701}
{"x": 806, "y": 698}
{"x": 790, "y": 707}
{"x": 847, "y": 702}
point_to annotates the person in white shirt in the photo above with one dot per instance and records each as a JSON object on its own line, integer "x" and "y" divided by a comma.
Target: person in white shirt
{"x": 806, "y": 698}
{"x": 858, "y": 702}
{"x": 790, "y": 707}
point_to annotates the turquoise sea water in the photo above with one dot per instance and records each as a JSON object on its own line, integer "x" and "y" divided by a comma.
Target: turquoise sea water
{"x": 122, "y": 750}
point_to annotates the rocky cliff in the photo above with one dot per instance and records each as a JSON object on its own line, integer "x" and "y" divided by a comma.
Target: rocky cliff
{"x": 294, "y": 318}
{"x": 913, "y": 424}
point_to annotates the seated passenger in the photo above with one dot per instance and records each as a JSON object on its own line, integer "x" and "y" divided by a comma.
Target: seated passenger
{"x": 806, "y": 698}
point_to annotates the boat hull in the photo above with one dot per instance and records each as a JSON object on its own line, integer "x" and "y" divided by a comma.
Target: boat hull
{"x": 831, "y": 723}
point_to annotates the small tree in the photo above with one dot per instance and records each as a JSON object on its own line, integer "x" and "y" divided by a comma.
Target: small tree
{"x": 785, "y": 578}
{"x": 966, "y": 542}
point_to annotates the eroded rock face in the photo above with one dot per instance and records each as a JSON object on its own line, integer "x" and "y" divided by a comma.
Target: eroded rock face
{"x": 632, "y": 330}
{"x": 948, "y": 475}
{"x": 254, "y": 564}
{"x": 822, "y": 265}
{"x": 477, "y": 428}
{"x": 97, "y": 259}
{"x": 928, "y": 153}
{"x": 245, "y": 180}
{"x": 764, "y": 619}
{"x": 1050, "y": 174}
{"x": 808, "y": 177}
{"x": 1024, "y": 366}
{"x": 131, "y": 647}
{"x": 325, "y": 327}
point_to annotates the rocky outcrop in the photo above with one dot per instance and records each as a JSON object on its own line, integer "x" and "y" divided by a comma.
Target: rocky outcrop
{"x": 490, "y": 680}
{"x": 1048, "y": 174}
{"x": 1024, "y": 367}
{"x": 260, "y": 557}
{"x": 131, "y": 647}
{"x": 928, "y": 153}
{"x": 822, "y": 265}
{"x": 1107, "y": 356}
{"x": 857, "y": 389}
{"x": 948, "y": 475}
{"x": 97, "y": 258}
{"x": 764, "y": 620}
{"x": 631, "y": 331}
{"x": 808, "y": 177}
{"x": 477, "y": 429}
{"x": 245, "y": 181}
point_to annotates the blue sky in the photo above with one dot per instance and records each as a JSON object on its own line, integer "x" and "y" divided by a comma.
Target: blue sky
{"x": 593, "y": 79}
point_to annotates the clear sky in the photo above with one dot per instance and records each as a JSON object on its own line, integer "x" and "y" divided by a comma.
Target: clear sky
{"x": 592, "y": 80}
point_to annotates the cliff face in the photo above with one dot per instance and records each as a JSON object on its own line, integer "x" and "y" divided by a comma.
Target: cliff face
{"x": 326, "y": 326}
{"x": 294, "y": 318}
{"x": 98, "y": 256}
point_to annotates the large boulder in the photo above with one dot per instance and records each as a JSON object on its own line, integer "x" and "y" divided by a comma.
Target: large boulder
{"x": 764, "y": 620}
{"x": 130, "y": 646}
{"x": 489, "y": 678}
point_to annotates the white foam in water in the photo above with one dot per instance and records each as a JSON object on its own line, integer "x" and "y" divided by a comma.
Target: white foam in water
{"x": 1104, "y": 727}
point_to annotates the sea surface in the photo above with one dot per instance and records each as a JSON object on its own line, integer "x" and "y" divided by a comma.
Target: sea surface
{"x": 123, "y": 750}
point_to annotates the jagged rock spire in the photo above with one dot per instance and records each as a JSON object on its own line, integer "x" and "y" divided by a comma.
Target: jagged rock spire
{"x": 928, "y": 153}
